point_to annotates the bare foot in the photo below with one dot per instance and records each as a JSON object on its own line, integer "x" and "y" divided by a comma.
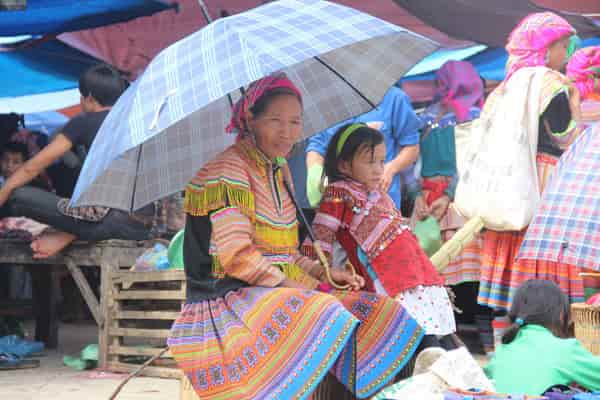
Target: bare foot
{"x": 51, "y": 243}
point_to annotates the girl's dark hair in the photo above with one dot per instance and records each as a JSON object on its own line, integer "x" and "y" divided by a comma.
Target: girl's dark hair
{"x": 104, "y": 83}
{"x": 362, "y": 138}
{"x": 263, "y": 101}
{"x": 539, "y": 302}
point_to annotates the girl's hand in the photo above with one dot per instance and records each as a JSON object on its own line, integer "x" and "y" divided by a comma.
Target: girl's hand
{"x": 343, "y": 277}
{"x": 440, "y": 207}
{"x": 422, "y": 210}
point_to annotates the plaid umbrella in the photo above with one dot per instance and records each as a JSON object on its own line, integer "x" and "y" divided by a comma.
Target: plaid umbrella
{"x": 172, "y": 118}
{"x": 566, "y": 227}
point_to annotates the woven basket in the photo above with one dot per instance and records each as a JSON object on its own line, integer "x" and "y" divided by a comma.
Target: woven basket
{"x": 587, "y": 326}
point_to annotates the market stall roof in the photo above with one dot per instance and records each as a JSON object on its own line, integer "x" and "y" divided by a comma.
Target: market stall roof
{"x": 44, "y": 17}
{"x": 485, "y": 21}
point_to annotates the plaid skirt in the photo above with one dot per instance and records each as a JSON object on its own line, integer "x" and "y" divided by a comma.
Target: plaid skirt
{"x": 259, "y": 343}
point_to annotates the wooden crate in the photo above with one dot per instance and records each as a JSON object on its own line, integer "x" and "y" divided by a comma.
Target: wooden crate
{"x": 141, "y": 307}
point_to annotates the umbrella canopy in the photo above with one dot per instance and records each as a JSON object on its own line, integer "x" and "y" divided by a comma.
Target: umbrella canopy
{"x": 566, "y": 227}
{"x": 42, "y": 17}
{"x": 172, "y": 119}
{"x": 485, "y": 21}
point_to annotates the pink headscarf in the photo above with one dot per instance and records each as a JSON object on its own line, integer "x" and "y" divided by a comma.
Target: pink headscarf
{"x": 459, "y": 87}
{"x": 255, "y": 91}
{"x": 528, "y": 43}
{"x": 584, "y": 70}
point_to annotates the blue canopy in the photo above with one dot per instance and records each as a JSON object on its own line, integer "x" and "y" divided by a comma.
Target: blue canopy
{"x": 42, "y": 68}
{"x": 43, "y": 17}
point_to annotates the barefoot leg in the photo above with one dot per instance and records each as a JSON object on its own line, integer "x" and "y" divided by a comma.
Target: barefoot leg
{"x": 51, "y": 243}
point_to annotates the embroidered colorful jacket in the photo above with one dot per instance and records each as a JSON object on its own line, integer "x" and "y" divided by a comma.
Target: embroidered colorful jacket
{"x": 369, "y": 221}
{"x": 242, "y": 227}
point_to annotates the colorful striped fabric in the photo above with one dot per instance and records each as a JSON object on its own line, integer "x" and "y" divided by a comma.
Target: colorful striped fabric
{"x": 466, "y": 267}
{"x": 502, "y": 274}
{"x": 260, "y": 343}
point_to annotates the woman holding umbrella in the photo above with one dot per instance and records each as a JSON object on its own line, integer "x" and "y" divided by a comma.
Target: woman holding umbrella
{"x": 540, "y": 40}
{"x": 255, "y": 325}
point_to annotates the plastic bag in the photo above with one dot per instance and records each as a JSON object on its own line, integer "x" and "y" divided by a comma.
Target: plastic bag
{"x": 153, "y": 259}
{"x": 429, "y": 234}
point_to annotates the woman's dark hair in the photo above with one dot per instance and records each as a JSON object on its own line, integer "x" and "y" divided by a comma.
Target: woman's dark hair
{"x": 263, "y": 101}
{"x": 16, "y": 147}
{"x": 104, "y": 83}
{"x": 363, "y": 138}
{"x": 539, "y": 302}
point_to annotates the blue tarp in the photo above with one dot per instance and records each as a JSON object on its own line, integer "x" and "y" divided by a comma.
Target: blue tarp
{"x": 42, "y": 17}
{"x": 46, "y": 67}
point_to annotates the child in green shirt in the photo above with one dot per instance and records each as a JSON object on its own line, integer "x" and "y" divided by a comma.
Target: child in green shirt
{"x": 536, "y": 352}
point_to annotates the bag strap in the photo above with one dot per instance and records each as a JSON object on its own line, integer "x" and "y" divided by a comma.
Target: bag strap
{"x": 437, "y": 119}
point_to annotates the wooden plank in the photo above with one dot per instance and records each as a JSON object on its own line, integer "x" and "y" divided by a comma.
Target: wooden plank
{"x": 46, "y": 289}
{"x": 153, "y": 276}
{"x": 136, "y": 351}
{"x": 150, "y": 295}
{"x": 135, "y": 332}
{"x": 85, "y": 289}
{"x": 156, "y": 372}
{"x": 105, "y": 308}
{"x": 166, "y": 315}
{"x": 86, "y": 254}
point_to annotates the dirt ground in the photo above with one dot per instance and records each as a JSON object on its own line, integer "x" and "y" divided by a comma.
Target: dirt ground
{"x": 52, "y": 380}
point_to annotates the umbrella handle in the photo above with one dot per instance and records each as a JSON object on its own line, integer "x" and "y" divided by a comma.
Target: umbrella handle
{"x": 325, "y": 264}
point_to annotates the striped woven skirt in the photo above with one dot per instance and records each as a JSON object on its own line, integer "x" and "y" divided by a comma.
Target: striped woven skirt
{"x": 263, "y": 343}
{"x": 501, "y": 274}
{"x": 466, "y": 267}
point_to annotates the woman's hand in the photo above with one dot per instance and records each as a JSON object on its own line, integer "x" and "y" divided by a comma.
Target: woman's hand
{"x": 422, "y": 210}
{"x": 440, "y": 207}
{"x": 343, "y": 277}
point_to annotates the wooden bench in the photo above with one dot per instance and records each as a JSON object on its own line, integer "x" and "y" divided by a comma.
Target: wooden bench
{"x": 110, "y": 255}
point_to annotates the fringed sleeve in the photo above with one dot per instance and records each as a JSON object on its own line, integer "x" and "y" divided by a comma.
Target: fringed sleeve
{"x": 235, "y": 251}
